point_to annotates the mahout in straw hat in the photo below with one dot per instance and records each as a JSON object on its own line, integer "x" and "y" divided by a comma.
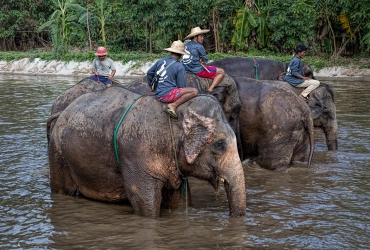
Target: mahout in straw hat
{"x": 195, "y": 31}
{"x": 177, "y": 47}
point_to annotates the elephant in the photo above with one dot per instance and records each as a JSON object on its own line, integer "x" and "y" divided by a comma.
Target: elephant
{"x": 321, "y": 100}
{"x": 275, "y": 124}
{"x": 146, "y": 158}
{"x": 259, "y": 68}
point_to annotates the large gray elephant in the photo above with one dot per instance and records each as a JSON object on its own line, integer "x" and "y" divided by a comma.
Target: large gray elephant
{"x": 275, "y": 124}
{"x": 143, "y": 159}
{"x": 321, "y": 100}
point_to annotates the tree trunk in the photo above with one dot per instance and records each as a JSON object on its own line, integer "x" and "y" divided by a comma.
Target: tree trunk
{"x": 87, "y": 23}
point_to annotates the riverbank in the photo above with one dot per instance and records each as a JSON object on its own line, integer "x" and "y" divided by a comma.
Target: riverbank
{"x": 39, "y": 67}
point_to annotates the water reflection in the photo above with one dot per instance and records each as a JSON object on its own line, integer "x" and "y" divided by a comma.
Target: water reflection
{"x": 324, "y": 207}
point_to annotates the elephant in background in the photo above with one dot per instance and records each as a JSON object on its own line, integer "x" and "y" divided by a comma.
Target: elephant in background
{"x": 275, "y": 124}
{"x": 321, "y": 100}
{"x": 258, "y": 68}
{"x": 150, "y": 147}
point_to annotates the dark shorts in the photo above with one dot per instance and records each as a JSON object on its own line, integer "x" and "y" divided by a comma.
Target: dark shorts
{"x": 172, "y": 96}
{"x": 205, "y": 74}
{"x": 102, "y": 79}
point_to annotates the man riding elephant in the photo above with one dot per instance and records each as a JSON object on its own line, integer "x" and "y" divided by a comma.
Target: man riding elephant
{"x": 171, "y": 86}
{"x": 321, "y": 101}
{"x": 295, "y": 75}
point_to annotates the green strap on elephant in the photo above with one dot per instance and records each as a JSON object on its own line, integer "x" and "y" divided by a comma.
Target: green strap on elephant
{"x": 118, "y": 125}
{"x": 255, "y": 65}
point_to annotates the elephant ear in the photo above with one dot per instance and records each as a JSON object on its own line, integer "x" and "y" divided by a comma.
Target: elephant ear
{"x": 316, "y": 104}
{"x": 199, "y": 130}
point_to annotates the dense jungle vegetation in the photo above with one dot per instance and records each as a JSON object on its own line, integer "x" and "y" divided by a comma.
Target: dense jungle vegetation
{"x": 133, "y": 29}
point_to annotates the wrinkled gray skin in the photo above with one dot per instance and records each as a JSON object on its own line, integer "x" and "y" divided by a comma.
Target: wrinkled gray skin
{"x": 63, "y": 100}
{"x": 82, "y": 157}
{"x": 226, "y": 93}
{"x": 275, "y": 124}
{"x": 321, "y": 100}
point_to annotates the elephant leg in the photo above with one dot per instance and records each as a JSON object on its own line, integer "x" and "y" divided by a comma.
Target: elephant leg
{"x": 276, "y": 157}
{"x": 61, "y": 181}
{"x": 300, "y": 152}
{"x": 174, "y": 198}
{"x": 144, "y": 193}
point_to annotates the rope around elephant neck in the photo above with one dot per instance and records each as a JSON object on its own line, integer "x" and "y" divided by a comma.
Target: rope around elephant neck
{"x": 119, "y": 124}
{"x": 255, "y": 65}
{"x": 184, "y": 184}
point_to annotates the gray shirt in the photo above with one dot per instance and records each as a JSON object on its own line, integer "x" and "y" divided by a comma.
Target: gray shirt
{"x": 103, "y": 67}
{"x": 295, "y": 67}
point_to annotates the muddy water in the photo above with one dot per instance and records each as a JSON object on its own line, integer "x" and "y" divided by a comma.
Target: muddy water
{"x": 325, "y": 207}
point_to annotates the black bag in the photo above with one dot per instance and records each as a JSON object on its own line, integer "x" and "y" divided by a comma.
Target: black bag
{"x": 155, "y": 80}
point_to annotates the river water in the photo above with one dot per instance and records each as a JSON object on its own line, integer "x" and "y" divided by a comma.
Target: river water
{"x": 324, "y": 207}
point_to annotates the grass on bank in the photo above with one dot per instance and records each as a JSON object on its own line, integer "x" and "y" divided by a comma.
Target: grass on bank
{"x": 139, "y": 58}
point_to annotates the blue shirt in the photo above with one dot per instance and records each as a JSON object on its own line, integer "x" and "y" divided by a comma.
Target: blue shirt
{"x": 191, "y": 62}
{"x": 170, "y": 78}
{"x": 295, "y": 67}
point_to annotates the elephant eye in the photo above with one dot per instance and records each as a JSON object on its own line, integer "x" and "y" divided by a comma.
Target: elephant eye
{"x": 219, "y": 146}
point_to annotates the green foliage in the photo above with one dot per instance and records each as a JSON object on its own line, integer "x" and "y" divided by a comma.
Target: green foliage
{"x": 151, "y": 25}
{"x": 62, "y": 24}
{"x": 244, "y": 21}
{"x": 291, "y": 21}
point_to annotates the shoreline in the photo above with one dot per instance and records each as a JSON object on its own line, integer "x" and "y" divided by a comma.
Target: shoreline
{"x": 38, "y": 67}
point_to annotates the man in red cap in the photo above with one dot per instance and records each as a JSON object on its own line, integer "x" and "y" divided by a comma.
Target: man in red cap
{"x": 103, "y": 68}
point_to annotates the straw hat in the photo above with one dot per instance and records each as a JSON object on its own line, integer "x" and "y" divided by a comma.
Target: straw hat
{"x": 177, "y": 47}
{"x": 195, "y": 31}
{"x": 101, "y": 51}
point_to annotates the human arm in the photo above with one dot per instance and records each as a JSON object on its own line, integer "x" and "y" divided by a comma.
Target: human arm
{"x": 180, "y": 77}
{"x": 150, "y": 74}
{"x": 202, "y": 55}
{"x": 296, "y": 69}
{"x": 113, "y": 72}
{"x": 93, "y": 70}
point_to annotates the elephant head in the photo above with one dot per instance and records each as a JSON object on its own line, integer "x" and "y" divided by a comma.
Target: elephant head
{"x": 210, "y": 149}
{"x": 321, "y": 103}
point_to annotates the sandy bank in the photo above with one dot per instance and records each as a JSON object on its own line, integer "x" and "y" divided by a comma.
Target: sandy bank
{"x": 39, "y": 67}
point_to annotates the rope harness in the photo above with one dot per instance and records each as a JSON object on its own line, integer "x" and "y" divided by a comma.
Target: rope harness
{"x": 255, "y": 65}
{"x": 119, "y": 124}
{"x": 184, "y": 184}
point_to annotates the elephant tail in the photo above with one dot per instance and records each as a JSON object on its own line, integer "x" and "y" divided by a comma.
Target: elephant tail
{"x": 48, "y": 124}
{"x": 311, "y": 133}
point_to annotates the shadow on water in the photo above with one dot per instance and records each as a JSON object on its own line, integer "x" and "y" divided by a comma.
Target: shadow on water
{"x": 324, "y": 207}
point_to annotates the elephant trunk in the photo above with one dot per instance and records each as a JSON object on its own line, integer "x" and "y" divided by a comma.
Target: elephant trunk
{"x": 331, "y": 136}
{"x": 231, "y": 171}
